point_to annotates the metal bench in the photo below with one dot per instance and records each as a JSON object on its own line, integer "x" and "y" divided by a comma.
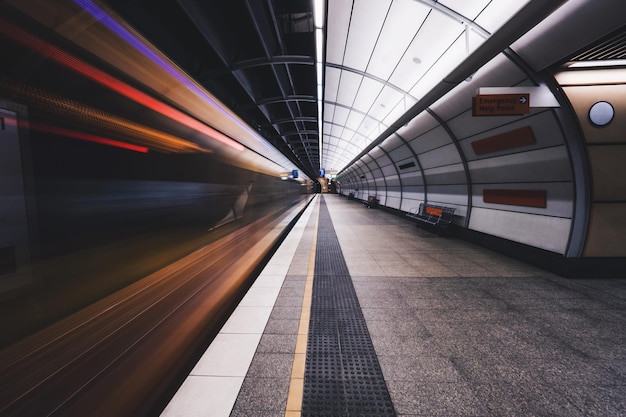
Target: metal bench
{"x": 437, "y": 216}
{"x": 371, "y": 202}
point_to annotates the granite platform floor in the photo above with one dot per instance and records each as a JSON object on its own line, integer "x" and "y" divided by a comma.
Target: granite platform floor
{"x": 458, "y": 330}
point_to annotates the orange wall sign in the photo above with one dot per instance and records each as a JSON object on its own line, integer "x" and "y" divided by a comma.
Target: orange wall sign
{"x": 500, "y": 104}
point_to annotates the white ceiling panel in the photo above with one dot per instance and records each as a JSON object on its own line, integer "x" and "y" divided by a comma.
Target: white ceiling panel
{"x": 354, "y": 120}
{"x": 367, "y": 20}
{"x": 341, "y": 115}
{"x": 365, "y": 131}
{"x": 352, "y": 150}
{"x": 435, "y": 36}
{"x": 404, "y": 19}
{"x": 360, "y": 140}
{"x": 385, "y": 102}
{"x": 336, "y": 131}
{"x": 331, "y": 83}
{"x": 329, "y": 112}
{"x": 446, "y": 63}
{"x": 367, "y": 94}
{"x": 337, "y": 29}
{"x": 348, "y": 87}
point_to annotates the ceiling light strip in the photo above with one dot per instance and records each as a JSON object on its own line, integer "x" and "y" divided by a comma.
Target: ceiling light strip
{"x": 318, "y": 19}
{"x": 598, "y": 63}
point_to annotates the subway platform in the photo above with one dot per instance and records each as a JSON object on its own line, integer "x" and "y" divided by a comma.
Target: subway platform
{"x": 361, "y": 313}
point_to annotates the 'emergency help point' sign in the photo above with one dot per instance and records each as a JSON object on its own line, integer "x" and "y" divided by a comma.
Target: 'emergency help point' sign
{"x": 500, "y": 104}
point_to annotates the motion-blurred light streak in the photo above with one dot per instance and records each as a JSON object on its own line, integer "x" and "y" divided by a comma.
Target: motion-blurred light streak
{"x": 47, "y": 50}
{"x": 128, "y": 36}
{"x": 92, "y": 118}
{"x": 73, "y": 134}
{"x": 86, "y": 136}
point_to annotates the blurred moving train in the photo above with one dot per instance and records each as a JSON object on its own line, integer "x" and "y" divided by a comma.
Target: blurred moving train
{"x": 114, "y": 163}
{"x": 134, "y": 211}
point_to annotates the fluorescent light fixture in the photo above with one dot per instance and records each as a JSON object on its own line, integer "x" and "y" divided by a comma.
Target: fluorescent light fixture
{"x": 596, "y": 64}
{"x": 318, "y": 20}
{"x": 592, "y": 76}
{"x": 318, "y": 13}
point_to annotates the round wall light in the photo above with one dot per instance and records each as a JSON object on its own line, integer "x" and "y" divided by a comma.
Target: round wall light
{"x": 601, "y": 113}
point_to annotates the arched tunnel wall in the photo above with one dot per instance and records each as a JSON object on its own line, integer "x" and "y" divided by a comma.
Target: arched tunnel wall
{"x": 527, "y": 179}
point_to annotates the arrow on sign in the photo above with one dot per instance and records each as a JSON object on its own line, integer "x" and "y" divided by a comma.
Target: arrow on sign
{"x": 522, "y": 100}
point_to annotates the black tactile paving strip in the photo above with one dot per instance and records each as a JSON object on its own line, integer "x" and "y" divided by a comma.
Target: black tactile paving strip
{"x": 342, "y": 375}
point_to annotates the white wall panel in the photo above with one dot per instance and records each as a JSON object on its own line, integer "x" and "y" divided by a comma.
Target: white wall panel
{"x": 541, "y": 165}
{"x": 376, "y": 172}
{"x": 371, "y": 165}
{"x": 411, "y": 201}
{"x": 414, "y": 192}
{"x": 377, "y": 153}
{"x": 392, "y": 142}
{"x": 393, "y": 199}
{"x": 412, "y": 178}
{"x": 468, "y": 125}
{"x": 450, "y": 174}
{"x": 454, "y": 195}
{"x": 389, "y": 170}
{"x": 393, "y": 181}
{"x": 400, "y": 153}
{"x": 384, "y": 161}
{"x": 549, "y": 233}
{"x": 446, "y": 155}
{"x": 432, "y": 139}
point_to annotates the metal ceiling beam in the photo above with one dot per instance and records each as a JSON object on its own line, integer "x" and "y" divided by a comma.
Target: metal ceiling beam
{"x": 221, "y": 38}
{"x": 277, "y": 100}
{"x": 301, "y": 131}
{"x": 370, "y": 76}
{"x": 217, "y": 34}
{"x": 310, "y": 119}
{"x": 272, "y": 41}
{"x": 260, "y": 62}
{"x": 464, "y": 20}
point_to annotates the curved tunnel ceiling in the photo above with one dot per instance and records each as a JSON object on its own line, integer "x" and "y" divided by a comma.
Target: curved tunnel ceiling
{"x": 258, "y": 57}
{"x": 382, "y": 57}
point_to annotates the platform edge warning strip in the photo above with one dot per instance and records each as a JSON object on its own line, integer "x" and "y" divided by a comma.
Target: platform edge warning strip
{"x": 342, "y": 374}
{"x": 296, "y": 382}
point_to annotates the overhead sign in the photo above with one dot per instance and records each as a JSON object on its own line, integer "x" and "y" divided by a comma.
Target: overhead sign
{"x": 541, "y": 94}
{"x": 500, "y": 104}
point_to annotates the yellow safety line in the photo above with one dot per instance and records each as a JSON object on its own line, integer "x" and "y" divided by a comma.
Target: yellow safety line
{"x": 296, "y": 384}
